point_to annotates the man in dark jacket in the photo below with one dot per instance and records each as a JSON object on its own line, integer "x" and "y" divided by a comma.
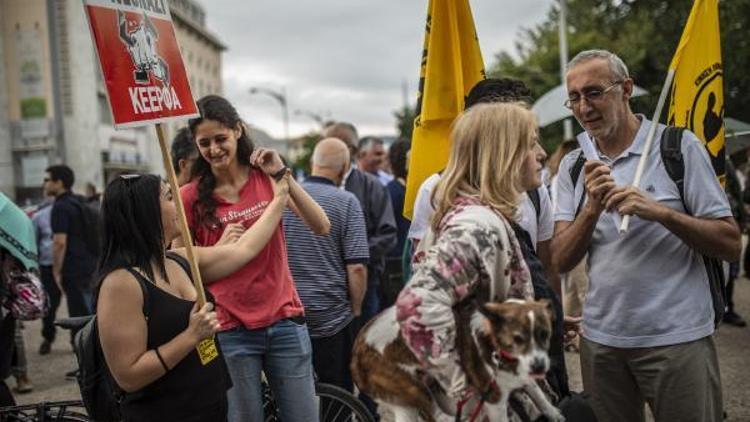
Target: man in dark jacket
{"x": 376, "y": 205}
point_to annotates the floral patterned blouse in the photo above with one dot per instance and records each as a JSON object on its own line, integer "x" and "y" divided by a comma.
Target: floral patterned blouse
{"x": 474, "y": 250}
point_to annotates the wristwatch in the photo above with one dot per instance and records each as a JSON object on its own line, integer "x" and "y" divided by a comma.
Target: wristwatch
{"x": 279, "y": 174}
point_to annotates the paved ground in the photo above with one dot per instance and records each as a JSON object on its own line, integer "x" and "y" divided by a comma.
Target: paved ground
{"x": 47, "y": 372}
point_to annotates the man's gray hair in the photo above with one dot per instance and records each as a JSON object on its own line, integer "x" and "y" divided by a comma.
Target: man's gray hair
{"x": 616, "y": 65}
{"x": 342, "y": 130}
{"x": 366, "y": 143}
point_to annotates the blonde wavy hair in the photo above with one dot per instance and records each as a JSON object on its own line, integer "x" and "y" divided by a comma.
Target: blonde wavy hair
{"x": 489, "y": 145}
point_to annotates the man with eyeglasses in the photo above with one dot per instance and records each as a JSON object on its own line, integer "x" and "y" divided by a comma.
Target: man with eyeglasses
{"x": 648, "y": 318}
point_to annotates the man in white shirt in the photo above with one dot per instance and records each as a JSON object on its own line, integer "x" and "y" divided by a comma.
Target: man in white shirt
{"x": 648, "y": 320}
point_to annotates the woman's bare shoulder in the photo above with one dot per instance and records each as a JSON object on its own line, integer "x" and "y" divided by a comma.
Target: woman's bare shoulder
{"x": 120, "y": 287}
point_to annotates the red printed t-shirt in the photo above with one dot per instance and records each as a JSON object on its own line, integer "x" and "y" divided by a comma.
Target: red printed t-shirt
{"x": 261, "y": 292}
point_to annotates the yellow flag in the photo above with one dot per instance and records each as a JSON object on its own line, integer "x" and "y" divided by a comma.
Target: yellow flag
{"x": 698, "y": 88}
{"x": 451, "y": 65}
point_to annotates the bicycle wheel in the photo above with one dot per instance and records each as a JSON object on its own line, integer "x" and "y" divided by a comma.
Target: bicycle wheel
{"x": 62, "y": 411}
{"x": 69, "y": 411}
{"x": 338, "y": 405}
{"x": 270, "y": 410}
{"x": 69, "y": 417}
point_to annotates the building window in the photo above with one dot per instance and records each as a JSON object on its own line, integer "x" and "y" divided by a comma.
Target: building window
{"x": 105, "y": 117}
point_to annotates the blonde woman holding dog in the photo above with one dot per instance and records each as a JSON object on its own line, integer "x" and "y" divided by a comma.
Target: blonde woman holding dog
{"x": 471, "y": 252}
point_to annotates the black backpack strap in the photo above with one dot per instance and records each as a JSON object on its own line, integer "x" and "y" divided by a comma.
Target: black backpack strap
{"x": 671, "y": 156}
{"x": 674, "y": 163}
{"x": 536, "y": 202}
{"x": 575, "y": 173}
{"x": 141, "y": 282}
{"x": 181, "y": 261}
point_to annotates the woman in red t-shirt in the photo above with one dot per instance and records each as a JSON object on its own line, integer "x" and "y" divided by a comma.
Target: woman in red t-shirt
{"x": 260, "y": 312}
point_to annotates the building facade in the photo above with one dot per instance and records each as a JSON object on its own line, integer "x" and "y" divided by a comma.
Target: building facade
{"x": 53, "y": 104}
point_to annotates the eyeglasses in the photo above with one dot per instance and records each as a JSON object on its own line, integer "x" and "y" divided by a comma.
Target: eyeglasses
{"x": 591, "y": 95}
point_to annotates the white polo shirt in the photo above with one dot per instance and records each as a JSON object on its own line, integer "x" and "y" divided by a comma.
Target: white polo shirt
{"x": 647, "y": 288}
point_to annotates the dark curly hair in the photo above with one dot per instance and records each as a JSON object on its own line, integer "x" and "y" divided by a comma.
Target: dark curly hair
{"x": 218, "y": 109}
{"x": 500, "y": 90}
{"x": 397, "y": 157}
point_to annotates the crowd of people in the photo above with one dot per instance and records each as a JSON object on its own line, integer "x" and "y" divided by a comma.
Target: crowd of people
{"x": 294, "y": 269}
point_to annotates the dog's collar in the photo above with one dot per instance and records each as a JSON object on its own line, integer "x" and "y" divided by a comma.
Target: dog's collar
{"x": 499, "y": 353}
{"x": 502, "y": 355}
{"x": 506, "y": 356}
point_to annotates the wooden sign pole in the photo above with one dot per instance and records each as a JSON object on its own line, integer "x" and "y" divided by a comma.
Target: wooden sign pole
{"x": 184, "y": 228}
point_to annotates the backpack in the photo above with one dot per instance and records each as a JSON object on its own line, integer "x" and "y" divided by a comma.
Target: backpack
{"x": 27, "y": 299}
{"x": 100, "y": 394}
{"x": 91, "y": 224}
{"x": 671, "y": 156}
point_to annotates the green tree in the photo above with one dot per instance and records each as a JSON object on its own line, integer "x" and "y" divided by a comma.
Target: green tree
{"x": 308, "y": 145}
{"x": 404, "y": 121}
{"x": 644, "y": 33}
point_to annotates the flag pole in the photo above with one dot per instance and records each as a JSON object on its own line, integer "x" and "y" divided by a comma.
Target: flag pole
{"x": 184, "y": 229}
{"x": 649, "y": 140}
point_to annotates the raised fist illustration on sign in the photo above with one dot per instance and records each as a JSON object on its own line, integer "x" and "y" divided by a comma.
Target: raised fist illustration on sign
{"x": 140, "y": 38}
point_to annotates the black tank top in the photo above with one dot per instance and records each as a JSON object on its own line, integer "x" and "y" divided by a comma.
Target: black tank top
{"x": 190, "y": 390}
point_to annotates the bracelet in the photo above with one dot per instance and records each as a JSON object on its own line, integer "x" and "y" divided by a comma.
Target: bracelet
{"x": 280, "y": 174}
{"x": 161, "y": 359}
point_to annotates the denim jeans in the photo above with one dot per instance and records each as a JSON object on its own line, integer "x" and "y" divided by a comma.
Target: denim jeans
{"x": 284, "y": 352}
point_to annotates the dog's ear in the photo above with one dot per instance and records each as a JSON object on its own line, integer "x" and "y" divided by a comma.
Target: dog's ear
{"x": 546, "y": 305}
{"x": 493, "y": 312}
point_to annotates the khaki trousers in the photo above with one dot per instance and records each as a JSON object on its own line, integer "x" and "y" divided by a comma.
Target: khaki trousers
{"x": 679, "y": 383}
{"x": 576, "y": 282}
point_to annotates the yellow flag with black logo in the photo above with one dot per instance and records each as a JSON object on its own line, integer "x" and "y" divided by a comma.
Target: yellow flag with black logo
{"x": 698, "y": 89}
{"x": 451, "y": 65}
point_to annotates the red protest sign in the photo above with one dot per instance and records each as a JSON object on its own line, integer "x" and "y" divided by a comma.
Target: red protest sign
{"x": 143, "y": 71}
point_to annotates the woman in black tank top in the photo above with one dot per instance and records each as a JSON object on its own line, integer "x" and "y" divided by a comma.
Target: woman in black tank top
{"x": 148, "y": 321}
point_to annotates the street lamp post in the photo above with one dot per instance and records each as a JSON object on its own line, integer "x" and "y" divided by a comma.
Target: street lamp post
{"x": 315, "y": 116}
{"x": 279, "y": 96}
{"x": 567, "y": 123}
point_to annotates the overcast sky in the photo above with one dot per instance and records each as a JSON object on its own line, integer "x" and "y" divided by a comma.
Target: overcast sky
{"x": 344, "y": 59}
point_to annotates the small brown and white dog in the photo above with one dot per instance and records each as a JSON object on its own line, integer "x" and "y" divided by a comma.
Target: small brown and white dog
{"x": 502, "y": 343}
